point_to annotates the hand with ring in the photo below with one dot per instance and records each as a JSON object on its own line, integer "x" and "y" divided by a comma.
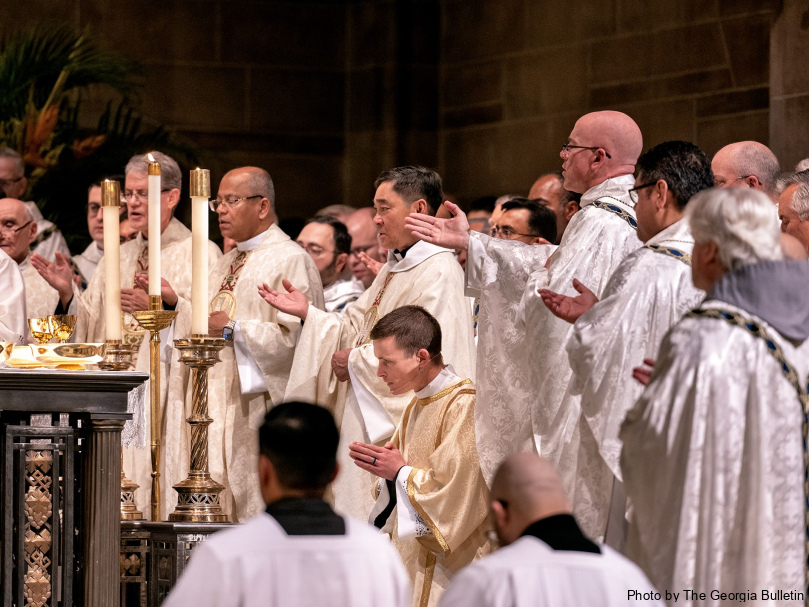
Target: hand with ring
{"x": 383, "y": 462}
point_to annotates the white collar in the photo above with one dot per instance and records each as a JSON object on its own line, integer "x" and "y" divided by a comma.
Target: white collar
{"x": 445, "y": 378}
{"x": 417, "y": 253}
{"x": 614, "y": 187}
{"x": 677, "y": 234}
{"x": 93, "y": 253}
{"x": 252, "y": 243}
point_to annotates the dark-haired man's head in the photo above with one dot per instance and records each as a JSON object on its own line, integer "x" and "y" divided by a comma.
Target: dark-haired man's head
{"x": 297, "y": 451}
{"x": 399, "y": 192}
{"x": 527, "y": 221}
{"x": 669, "y": 174}
{"x": 328, "y": 243}
{"x": 480, "y": 210}
{"x": 95, "y": 225}
{"x": 549, "y": 190}
{"x": 407, "y": 343}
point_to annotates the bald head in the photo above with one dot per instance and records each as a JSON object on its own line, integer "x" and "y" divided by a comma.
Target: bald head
{"x": 19, "y": 228}
{"x": 617, "y": 141}
{"x": 363, "y": 233}
{"x": 746, "y": 164}
{"x": 257, "y": 180}
{"x": 792, "y": 248}
{"x": 531, "y": 489}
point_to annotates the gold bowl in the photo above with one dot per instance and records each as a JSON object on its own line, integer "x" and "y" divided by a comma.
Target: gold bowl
{"x": 41, "y": 329}
{"x": 62, "y": 326}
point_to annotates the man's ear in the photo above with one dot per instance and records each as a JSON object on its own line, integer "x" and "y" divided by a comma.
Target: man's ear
{"x": 662, "y": 190}
{"x": 539, "y": 240}
{"x": 340, "y": 262}
{"x": 500, "y": 514}
{"x": 423, "y": 356}
{"x": 420, "y": 206}
{"x": 753, "y": 182}
{"x": 336, "y": 472}
{"x": 264, "y": 208}
{"x": 571, "y": 209}
{"x": 33, "y": 228}
{"x": 174, "y": 198}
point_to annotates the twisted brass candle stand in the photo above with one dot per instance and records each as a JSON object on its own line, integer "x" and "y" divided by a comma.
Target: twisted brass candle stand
{"x": 154, "y": 320}
{"x": 118, "y": 357}
{"x": 198, "y": 495}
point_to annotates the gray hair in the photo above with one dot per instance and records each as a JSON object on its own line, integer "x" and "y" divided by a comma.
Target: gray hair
{"x": 6, "y": 152}
{"x": 260, "y": 183}
{"x": 800, "y": 198}
{"x": 170, "y": 175}
{"x": 757, "y": 159}
{"x": 742, "y": 223}
{"x": 802, "y": 165}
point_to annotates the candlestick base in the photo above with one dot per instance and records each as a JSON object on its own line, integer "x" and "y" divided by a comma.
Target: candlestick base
{"x": 198, "y": 495}
{"x": 129, "y": 511}
{"x": 117, "y": 355}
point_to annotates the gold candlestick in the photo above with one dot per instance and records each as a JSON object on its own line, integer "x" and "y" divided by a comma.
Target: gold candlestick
{"x": 198, "y": 495}
{"x": 155, "y": 320}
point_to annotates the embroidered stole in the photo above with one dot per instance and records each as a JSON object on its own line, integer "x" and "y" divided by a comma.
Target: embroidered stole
{"x": 614, "y": 208}
{"x": 225, "y": 300}
{"x": 372, "y": 315}
{"x": 671, "y": 252}
{"x": 133, "y": 333}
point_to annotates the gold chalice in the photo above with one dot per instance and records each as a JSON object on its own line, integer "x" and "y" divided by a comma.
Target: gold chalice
{"x": 41, "y": 329}
{"x": 62, "y": 326}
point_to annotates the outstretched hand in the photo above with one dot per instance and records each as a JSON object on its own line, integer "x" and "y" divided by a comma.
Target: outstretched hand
{"x": 372, "y": 264}
{"x": 292, "y": 302}
{"x": 643, "y": 374}
{"x": 569, "y": 308}
{"x": 450, "y": 233}
{"x": 59, "y": 274}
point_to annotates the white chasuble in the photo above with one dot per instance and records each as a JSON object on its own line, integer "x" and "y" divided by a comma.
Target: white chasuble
{"x": 441, "y": 489}
{"x": 712, "y": 460}
{"x": 644, "y": 298}
{"x": 175, "y": 259}
{"x": 41, "y": 298}
{"x": 533, "y": 410}
{"x": 13, "y": 310}
{"x": 252, "y": 375}
{"x": 427, "y": 276}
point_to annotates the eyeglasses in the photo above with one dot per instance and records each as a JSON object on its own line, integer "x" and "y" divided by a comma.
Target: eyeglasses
{"x": 229, "y": 204}
{"x": 357, "y": 250}
{"x": 721, "y": 183}
{"x": 567, "y": 147}
{"x": 4, "y": 183}
{"x": 11, "y": 230}
{"x": 507, "y": 233}
{"x": 314, "y": 250}
{"x": 633, "y": 192}
{"x": 141, "y": 195}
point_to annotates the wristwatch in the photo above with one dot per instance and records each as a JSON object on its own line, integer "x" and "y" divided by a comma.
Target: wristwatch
{"x": 227, "y": 331}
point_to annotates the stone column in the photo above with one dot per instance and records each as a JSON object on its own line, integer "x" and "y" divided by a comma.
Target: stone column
{"x": 102, "y": 501}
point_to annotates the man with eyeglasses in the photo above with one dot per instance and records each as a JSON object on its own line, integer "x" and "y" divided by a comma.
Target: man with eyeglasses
{"x": 364, "y": 239}
{"x": 327, "y": 241}
{"x": 260, "y": 341}
{"x": 747, "y": 164}
{"x": 523, "y": 367}
{"x": 17, "y": 231}
{"x": 13, "y": 182}
{"x": 646, "y": 295}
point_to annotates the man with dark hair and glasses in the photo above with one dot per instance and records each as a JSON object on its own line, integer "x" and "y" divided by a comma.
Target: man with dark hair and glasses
{"x": 545, "y": 560}
{"x": 647, "y": 294}
{"x": 525, "y": 221}
{"x": 252, "y": 377}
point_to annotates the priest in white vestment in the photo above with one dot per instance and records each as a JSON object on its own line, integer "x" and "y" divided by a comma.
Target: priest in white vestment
{"x": 714, "y": 452}
{"x": 18, "y": 231}
{"x": 260, "y": 341}
{"x": 175, "y": 260}
{"x": 332, "y": 349}
{"x": 431, "y": 496}
{"x": 546, "y": 560}
{"x": 299, "y": 552}
{"x": 13, "y": 318}
{"x": 532, "y": 411}
{"x": 648, "y": 292}
{"x": 88, "y": 260}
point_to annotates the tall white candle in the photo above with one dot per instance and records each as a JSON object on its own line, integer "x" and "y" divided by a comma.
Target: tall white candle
{"x": 200, "y": 193}
{"x": 154, "y": 226}
{"x": 111, "y": 204}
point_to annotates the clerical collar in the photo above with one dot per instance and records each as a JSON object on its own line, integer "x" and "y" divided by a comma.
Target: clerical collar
{"x": 677, "y": 235}
{"x": 614, "y": 187}
{"x": 306, "y": 516}
{"x": 416, "y": 254}
{"x": 252, "y": 243}
{"x": 561, "y": 532}
{"x": 446, "y": 377}
{"x": 400, "y": 255}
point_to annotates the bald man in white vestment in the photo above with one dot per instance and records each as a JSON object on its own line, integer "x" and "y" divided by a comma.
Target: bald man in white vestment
{"x": 546, "y": 560}
{"x": 298, "y": 553}
{"x": 333, "y": 349}
{"x": 521, "y": 401}
{"x": 647, "y": 294}
{"x": 713, "y": 455}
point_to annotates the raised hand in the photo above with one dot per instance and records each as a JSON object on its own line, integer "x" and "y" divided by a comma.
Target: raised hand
{"x": 450, "y": 233}
{"x": 372, "y": 264}
{"x": 59, "y": 274}
{"x": 643, "y": 374}
{"x": 167, "y": 293}
{"x": 292, "y": 302}
{"x": 569, "y": 308}
{"x": 134, "y": 299}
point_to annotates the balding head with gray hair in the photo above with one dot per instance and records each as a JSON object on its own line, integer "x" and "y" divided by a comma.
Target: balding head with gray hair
{"x": 6, "y": 152}
{"x": 746, "y": 163}
{"x": 800, "y": 197}
{"x": 170, "y": 175}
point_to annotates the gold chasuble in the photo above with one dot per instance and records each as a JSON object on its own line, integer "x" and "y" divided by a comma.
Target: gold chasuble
{"x": 175, "y": 256}
{"x": 252, "y": 375}
{"x": 364, "y": 408}
{"x": 440, "y": 522}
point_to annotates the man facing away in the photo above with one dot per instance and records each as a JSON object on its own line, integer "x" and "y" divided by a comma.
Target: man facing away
{"x": 747, "y": 164}
{"x": 545, "y": 560}
{"x": 332, "y": 349}
{"x": 298, "y": 552}
{"x": 431, "y": 495}
{"x": 714, "y": 451}
{"x": 260, "y": 341}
